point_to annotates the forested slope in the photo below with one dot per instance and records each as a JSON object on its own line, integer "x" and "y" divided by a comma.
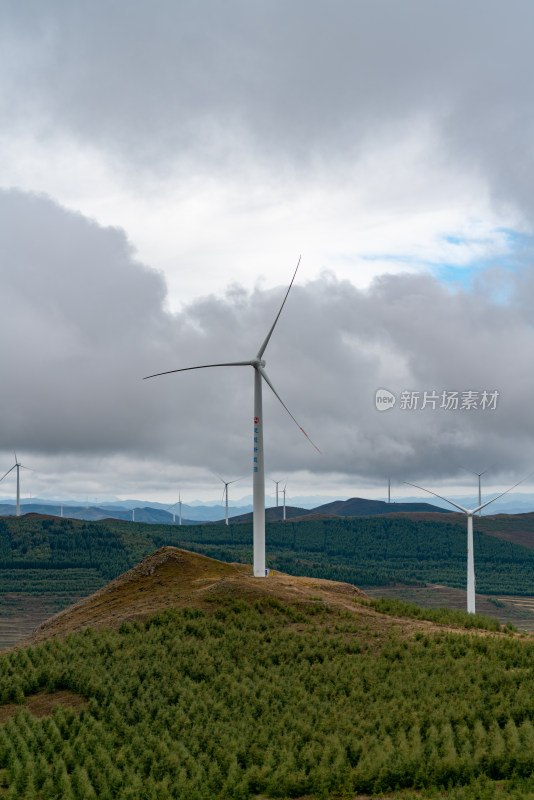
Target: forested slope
{"x": 256, "y": 697}
{"x": 71, "y": 558}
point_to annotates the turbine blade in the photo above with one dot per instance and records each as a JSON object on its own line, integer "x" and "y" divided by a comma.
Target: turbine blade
{"x": 261, "y": 351}
{"x": 501, "y": 494}
{"x": 271, "y": 387}
{"x": 7, "y": 473}
{"x": 438, "y": 495}
{"x": 202, "y": 366}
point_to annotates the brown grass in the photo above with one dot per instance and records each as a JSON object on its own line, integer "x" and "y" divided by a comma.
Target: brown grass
{"x": 172, "y": 577}
{"x": 42, "y": 704}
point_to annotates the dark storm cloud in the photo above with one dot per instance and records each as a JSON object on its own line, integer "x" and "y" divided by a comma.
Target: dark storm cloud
{"x": 82, "y": 321}
{"x": 155, "y": 82}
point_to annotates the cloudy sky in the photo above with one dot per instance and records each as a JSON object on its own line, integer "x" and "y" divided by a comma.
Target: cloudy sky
{"x": 163, "y": 166}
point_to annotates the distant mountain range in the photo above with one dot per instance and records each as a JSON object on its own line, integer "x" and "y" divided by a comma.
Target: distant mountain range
{"x": 194, "y": 515}
{"x": 196, "y": 511}
{"x": 354, "y": 507}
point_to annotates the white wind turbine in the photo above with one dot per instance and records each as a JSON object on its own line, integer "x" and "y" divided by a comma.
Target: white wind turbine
{"x": 16, "y": 465}
{"x": 284, "y": 493}
{"x": 258, "y": 472}
{"x": 479, "y": 475}
{"x": 179, "y": 504}
{"x": 225, "y": 493}
{"x": 470, "y": 555}
{"x": 276, "y": 484}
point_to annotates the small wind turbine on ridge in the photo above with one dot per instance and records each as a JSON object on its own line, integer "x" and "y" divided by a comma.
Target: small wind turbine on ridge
{"x": 18, "y": 465}
{"x": 470, "y": 554}
{"x": 479, "y": 474}
{"x": 276, "y": 484}
{"x": 225, "y": 493}
{"x": 258, "y": 470}
{"x": 179, "y": 504}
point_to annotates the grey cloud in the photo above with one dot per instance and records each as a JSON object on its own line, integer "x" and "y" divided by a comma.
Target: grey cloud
{"x": 154, "y": 82}
{"x": 83, "y": 321}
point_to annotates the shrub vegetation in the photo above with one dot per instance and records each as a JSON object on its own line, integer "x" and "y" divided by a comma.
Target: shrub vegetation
{"x": 274, "y": 700}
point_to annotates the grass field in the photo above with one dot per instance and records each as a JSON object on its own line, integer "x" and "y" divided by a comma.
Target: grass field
{"x": 518, "y": 610}
{"x": 20, "y": 614}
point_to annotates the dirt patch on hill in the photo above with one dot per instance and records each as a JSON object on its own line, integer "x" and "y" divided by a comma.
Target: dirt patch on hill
{"x": 42, "y": 704}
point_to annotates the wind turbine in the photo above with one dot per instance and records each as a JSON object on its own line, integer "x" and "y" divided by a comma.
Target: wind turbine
{"x": 18, "y": 465}
{"x": 258, "y": 472}
{"x": 470, "y": 555}
{"x": 389, "y": 490}
{"x": 179, "y": 504}
{"x": 225, "y": 492}
{"x": 479, "y": 474}
{"x": 276, "y": 484}
{"x": 284, "y": 493}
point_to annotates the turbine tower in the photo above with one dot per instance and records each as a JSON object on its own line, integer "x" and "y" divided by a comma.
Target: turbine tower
{"x": 16, "y": 465}
{"x": 179, "y": 504}
{"x": 470, "y": 555}
{"x": 225, "y": 493}
{"x": 276, "y": 484}
{"x": 258, "y": 472}
{"x": 284, "y": 493}
{"x": 479, "y": 474}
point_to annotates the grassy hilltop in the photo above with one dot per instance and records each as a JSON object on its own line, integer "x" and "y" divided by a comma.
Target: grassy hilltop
{"x": 46, "y": 563}
{"x": 187, "y": 678}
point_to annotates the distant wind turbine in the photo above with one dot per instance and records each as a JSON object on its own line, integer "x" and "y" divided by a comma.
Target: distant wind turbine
{"x": 470, "y": 555}
{"x": 284, "y": 493}
{"x": 179, "y": 504}
{"x": 276, "y": 484}
{"x": 16, "y": 465}
{"x": 225, "y": 492}
{"x": 479, "y": 474}
{"x": 258, "y": 471}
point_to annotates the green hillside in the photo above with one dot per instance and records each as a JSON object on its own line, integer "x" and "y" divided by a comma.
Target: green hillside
{"x": 265, "y": 699}
{"x": 377, "y": 551}
{"x": 71, "y": 558}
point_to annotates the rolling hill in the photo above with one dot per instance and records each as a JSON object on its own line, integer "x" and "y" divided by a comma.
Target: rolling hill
{"x": 188, "y": 678}
{"x": 68, "y": 559}
{"x": 354, "y": 507}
